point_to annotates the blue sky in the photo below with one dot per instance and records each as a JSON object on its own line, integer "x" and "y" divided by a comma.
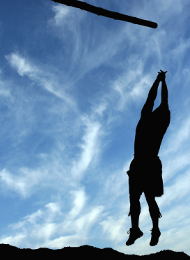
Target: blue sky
{"x": 72, "y": 86}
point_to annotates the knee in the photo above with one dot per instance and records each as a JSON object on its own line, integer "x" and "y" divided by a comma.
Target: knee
{"x": 134, "y": 201}
{"x": 154, "y": 210}
{"x": 135, "y": 206}
{"x": 153, "y": 207}
{"x": 150, "y": 199}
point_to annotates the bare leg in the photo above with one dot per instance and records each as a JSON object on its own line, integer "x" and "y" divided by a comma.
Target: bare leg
{"x": 135, "y": 192}
{"x": 153, "y": 209}
{"x": 155, "y": 214}
{"x": 135, "y": 210}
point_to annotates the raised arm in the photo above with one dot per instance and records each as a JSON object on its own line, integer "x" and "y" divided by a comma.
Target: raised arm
{"x": 149, "y": 104}
{"x": 164, "y": 93}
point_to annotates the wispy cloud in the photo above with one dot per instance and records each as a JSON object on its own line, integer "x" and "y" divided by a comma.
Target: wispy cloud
{"x": 131, "y": 86}
{"x": 47, "y": 80}
{"x": 78, "y": 203}
{"x": 178, "y": 137}
{"x": 114, "y": 228}
{"x": 89, "y": 147}
{"x": 22, "y": 66}
{"x": 14, "y": 240}
{"x": 21, "y": 183}
{"x": 82, "y": 114}
{"x": 50, "y": 228}
{"x": 4, "y": 91}
{"x": 61, "y": 12}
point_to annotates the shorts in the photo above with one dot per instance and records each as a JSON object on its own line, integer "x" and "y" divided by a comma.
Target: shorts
{"x": 145, "y": 175}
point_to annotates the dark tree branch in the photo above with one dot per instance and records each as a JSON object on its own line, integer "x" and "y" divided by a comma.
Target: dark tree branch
{"x": 106, "y": 13}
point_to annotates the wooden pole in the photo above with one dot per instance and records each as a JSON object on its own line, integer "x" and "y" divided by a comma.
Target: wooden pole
{"x": 107, "y": 13}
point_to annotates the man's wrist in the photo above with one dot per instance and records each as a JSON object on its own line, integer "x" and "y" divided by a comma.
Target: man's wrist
{"x": 163, "y": 80}
{"x": 158, "y": 79}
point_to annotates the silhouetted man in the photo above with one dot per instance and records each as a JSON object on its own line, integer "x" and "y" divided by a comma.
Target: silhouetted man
{"x": 145, "y": 172}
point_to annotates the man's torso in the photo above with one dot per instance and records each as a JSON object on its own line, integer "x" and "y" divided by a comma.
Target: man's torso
{"x": 150, "y": 131}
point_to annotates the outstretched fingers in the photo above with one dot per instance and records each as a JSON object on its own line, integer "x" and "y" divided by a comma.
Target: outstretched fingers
{"x": 161, "y": 75}
{"x": 161, "y": 71}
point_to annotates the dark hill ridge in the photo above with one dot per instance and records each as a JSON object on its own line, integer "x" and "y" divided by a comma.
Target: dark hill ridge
{"x": 85, "y": 252}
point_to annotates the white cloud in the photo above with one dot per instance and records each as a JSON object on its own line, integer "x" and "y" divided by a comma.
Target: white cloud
{"x": 178, "y": 137}
{"x": 65, "y": 241}
{"x": 16, "y": 240}
{"x": 176, "y": 217}
{"x": 61, "y": 12}
{"x": 89, "y": 147}
{"x": 53, "y": 226}
{"x": 78, "y": 203}
{"x": 170, "y": 7}
{"x": 117, "y": 183}
{"x": 49, "y": 222}
{"x": 90, "y": 53}
{"x": 45, "y": 231}
{"x": 43, "y": 78}
{"x": 140, "y": 87}
{"x": 131, "y": 86}
{"x": 23, "y": 182}
{"x": 22, "y": 66}
{"x": 181, "y": 48}
{"x": 174, "y": 164}
{"x": 85, "y": 222}
{"x": 101, "y": 108}
{"x": 181, "y": 188}
{"x": 4, "y": 90}
{"x": 67, "y": 15}
{"x": 53, "y": 207}
{"x": 32, "y": 218}
{"x": 114, "y": 228}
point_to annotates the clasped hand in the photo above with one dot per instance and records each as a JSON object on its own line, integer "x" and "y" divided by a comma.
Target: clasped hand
{"x": 161, "y": 75}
